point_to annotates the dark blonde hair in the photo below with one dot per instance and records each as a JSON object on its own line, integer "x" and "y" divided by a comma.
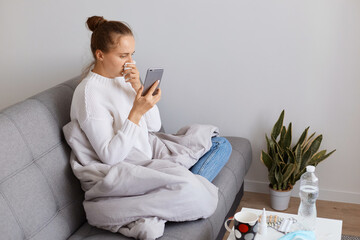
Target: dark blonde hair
{"x": 105, "y": 35}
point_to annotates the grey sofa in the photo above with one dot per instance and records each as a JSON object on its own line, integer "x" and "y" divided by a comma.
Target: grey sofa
{"x": 41, "y": 199}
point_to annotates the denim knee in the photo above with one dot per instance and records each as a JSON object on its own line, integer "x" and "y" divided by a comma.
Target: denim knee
{"x": 222, "y": 142}
{"x": 211, "y": 163}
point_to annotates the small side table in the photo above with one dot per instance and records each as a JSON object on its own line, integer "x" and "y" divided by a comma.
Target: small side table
{"x": 326, "y": 228}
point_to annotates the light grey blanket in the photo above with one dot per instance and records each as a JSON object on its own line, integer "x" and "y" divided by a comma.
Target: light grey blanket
{"x": 137, "y": 196}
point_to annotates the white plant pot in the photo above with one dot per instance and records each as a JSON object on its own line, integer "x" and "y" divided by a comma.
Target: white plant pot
{"x": 279, "y": 199}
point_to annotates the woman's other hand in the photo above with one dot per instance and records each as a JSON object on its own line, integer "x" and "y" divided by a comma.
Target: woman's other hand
{"x": 142, "y": 104}
{"x": 132, "y": 75}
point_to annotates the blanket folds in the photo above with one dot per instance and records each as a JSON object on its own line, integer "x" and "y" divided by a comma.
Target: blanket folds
{"x": 138, "y": 195}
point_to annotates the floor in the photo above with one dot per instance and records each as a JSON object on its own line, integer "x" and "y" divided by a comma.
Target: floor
{"x": 347, "y": 212}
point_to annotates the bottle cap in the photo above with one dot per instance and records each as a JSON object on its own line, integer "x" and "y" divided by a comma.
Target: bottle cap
{"x": 310, "y": 168}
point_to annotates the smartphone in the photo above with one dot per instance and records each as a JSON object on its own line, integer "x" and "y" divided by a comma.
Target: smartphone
{"x": 152, "y": 75}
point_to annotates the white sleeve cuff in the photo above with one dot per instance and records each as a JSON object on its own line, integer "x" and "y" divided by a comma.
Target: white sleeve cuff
{"x": 130, "y": 129}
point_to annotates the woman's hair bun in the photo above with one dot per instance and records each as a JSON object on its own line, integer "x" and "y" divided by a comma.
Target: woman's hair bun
{"x": 94, "y": 22}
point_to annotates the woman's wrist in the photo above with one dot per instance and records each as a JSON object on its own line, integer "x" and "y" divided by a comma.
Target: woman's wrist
{"x": 134, "y": 117}
{"x": 138, "y": 86}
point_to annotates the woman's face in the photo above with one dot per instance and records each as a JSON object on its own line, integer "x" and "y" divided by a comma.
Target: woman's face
{"x": 114, "y": 60}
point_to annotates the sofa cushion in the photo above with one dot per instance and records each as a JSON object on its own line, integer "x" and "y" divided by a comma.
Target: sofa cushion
{"x": 39, "y": 195}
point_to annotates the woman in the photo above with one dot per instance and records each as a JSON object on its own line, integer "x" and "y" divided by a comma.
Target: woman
{"x": 110, "y": 108}
{"x": 134, "y": 178}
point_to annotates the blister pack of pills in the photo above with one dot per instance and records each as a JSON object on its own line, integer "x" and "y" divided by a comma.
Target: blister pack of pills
{"x": 280, "y": 224}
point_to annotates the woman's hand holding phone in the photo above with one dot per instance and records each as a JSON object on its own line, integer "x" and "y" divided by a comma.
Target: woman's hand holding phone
{"x": 142, "y": 104}
{"x": 132, "y": 75}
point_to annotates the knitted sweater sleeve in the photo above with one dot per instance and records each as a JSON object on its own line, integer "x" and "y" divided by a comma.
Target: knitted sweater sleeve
{"x": 111, "y": 147}
{"x": 153, "y": 120}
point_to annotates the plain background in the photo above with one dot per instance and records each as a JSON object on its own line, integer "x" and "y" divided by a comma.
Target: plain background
{"x": 235, "y": 64}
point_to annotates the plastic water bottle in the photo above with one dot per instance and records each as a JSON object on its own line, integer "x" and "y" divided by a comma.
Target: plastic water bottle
{"x": 309, "y": 192}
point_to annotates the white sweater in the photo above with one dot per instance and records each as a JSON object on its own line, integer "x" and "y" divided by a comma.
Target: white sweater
{"x": 101, "y": 106}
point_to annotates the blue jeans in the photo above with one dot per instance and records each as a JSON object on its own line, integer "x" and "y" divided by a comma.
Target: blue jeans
{"x": 210, "y": 164}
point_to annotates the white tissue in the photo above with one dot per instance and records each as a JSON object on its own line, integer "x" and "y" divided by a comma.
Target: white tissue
{"x": 125, "y": 65}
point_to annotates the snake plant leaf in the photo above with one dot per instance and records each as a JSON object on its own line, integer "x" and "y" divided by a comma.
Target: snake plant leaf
{"x": 270, "y": 145}
{"x": 298, "y": 175}
{"x": 291, "y": 156}
{"x": 277, "y": 147}
{"x": 319, "y": 157}
{"x": 267, "y": 143}
{"x": 306, "y": 143}
{"x": 301, "y": 139}
{"x": 266, "y": 159}
{"x": 314, "y": 146}
{"x": 310, "y": 150}
{"x": 292, "y": 177}
{"x": 287, "y": 138}
{"x": 325, "y": 156}
{"x": 287, "y": 171}
{"x": 279, "y": 159}
{"x": 298, "y": 159}
{"x": 282, "y": 136}
{"x": 278, "y": 176}
{"x": 284, "y": 185}
{"x": 271, "y": 176}
{"x": 278, "y": 125}
{"x": 315, "y": 158}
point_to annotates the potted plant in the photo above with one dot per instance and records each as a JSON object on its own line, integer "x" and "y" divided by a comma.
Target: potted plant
{"x": 286, "y": 162}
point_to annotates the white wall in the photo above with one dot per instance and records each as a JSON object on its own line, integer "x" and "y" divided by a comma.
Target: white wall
{"x": 232, "y": 63}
